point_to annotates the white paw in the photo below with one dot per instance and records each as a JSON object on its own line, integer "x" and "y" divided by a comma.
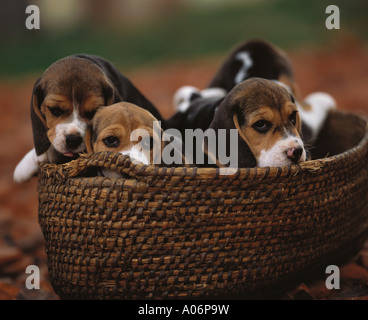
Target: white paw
{"x": 182, "y": 97}
{"x": 28, "y": 166}
{"x": 213, "y": 93}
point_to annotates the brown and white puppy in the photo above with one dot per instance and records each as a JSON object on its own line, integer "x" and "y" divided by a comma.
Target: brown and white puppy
{"x": 268, "y": 124}
{"x": 64, "y": 100}
{"x": 128, "y": 129}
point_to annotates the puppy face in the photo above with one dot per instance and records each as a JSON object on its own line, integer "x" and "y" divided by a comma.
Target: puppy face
{"x": 64, "y": 100}
{"x": 267, "y": 120}
{"x": 127, "y": 129}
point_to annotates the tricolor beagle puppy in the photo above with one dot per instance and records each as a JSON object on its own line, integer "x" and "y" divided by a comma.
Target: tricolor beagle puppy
{"x": 128, "y": 129}
{"x": 268, "y": 124}
{"x": 64, "y": 100}
{"x": 254, "y": 58}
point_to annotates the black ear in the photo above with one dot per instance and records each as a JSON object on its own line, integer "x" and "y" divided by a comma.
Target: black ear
{"x": 224, "y": 119}
{"x": 124, "y": 90}
{"x": 130, "y": 93}
{"x": 39, "y": 128}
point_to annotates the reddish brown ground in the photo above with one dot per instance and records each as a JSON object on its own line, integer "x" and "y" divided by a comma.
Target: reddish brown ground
{"x": 341, "y": 71}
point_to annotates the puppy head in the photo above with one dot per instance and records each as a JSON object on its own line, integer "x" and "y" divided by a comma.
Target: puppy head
{"x": 64, "y": 100}
{"x": 268, "y": 123}
{"x": 128, "y": 129}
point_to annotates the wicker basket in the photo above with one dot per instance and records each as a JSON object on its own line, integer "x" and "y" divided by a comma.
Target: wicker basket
{"x": 192, "y": 233}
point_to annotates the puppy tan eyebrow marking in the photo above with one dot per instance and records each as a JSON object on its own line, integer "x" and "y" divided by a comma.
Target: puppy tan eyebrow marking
{"x": 56, "y": 101}
{"x": 287, "y": 110}
{"x": 263, "y": 113}
{"x": 56, "y": 97}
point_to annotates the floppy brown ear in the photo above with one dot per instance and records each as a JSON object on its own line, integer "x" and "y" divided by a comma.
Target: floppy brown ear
{"x": 39, "y": 127}
{"x": 240, "y": 132}
{"x": 88, "y": 139}
{"x": 224, "y": 119}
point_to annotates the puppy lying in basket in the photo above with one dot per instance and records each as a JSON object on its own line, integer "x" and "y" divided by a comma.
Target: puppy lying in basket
{"x": 64, "y": 100}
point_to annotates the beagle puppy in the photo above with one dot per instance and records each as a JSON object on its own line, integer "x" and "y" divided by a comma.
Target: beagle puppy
{"x": 128, "y": 129}
{"x": 254, "y": 58}
{"x": 64, "y": 100}
{"x": 259, "y": 58}
{"x": 268, "y": 123}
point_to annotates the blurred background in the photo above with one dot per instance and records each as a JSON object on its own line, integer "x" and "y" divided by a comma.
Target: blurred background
{"x": 160, "y": 45}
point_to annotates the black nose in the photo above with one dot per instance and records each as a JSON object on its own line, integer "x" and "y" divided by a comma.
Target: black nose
{"x": 73, "y": 140}
{"x": 295, "y": 154}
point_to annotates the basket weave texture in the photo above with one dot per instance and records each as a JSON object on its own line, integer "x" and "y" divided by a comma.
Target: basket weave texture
{"x": 193, "y": 233}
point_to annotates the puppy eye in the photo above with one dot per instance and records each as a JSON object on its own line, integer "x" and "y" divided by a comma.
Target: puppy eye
{"x": 111, "y": 142}
{"x": 147, "y": 143}
{"x": 56, "y": 111}
{"x": 90, "y": 114}
{"x": 292, "y": 98}
{"x": 262, "y": 126}
{"x": 292, "y": 118}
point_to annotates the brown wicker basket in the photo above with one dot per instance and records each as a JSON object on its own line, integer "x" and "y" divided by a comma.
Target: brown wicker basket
{"x": 192, "y": 233}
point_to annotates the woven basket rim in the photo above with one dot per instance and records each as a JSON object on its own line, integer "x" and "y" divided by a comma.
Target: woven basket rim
{"x": 110, "y": 159}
